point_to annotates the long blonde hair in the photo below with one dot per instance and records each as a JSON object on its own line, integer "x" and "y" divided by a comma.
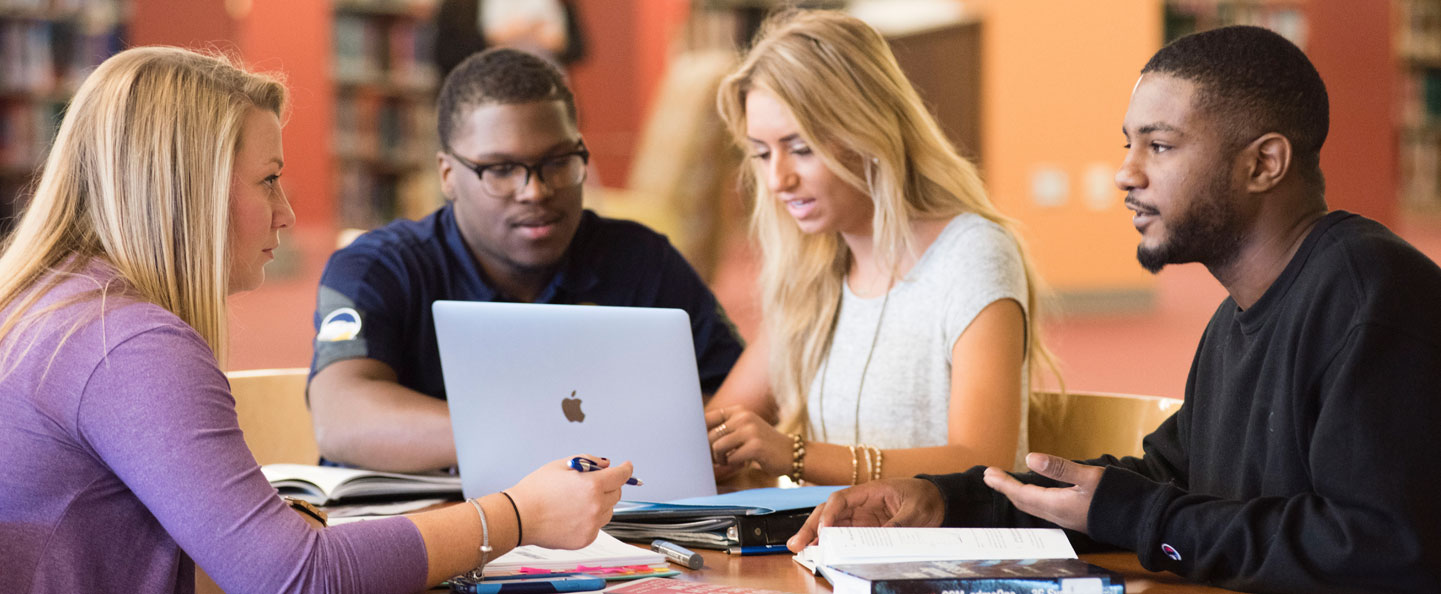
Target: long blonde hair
{"x": 840, "y": 81}
{"x": 139, "y": 178}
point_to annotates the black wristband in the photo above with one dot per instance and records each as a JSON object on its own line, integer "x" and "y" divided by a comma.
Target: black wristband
{"x": 519, "y": 529}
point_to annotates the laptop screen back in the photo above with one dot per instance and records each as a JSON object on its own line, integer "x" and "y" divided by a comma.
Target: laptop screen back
{"x": 528, "y": 384}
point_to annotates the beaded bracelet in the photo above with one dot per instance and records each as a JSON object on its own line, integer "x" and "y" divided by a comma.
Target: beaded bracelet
{"x": 875, "y": 470}
{"x": 870, "y": 464}
{"x": 798, "y": 458}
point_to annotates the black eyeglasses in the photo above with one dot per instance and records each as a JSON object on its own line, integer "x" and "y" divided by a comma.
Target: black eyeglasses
{"x": 508, "y": 177}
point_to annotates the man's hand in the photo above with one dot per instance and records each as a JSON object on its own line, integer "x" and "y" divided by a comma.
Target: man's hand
{"x": 1065, "y": 506}
{"x": 889, "y": 502}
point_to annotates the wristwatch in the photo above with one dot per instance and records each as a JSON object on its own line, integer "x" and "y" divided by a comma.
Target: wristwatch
{"x": 305, "y": 507}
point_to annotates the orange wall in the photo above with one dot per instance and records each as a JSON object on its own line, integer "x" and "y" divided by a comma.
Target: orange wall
{"x": 185, "y": 23}
{"x": 1349, "y": 43}
{"x": 274, "y": 35}
{"x": 628, "y": 48}
{"x": 302, "y": 50}
{"x": 1056, "y": 80}
{"x": 659, "y": 23}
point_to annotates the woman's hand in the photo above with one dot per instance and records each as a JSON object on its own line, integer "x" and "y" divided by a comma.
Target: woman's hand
{"x": 564, "y": 509}
{"x": 739, "y": 437}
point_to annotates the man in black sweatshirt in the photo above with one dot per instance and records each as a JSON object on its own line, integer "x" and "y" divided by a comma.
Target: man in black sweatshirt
{"x": 1301, "y": 459}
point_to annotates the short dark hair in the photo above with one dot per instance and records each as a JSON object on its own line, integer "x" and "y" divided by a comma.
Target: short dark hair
{"x": 499, "y": 75}
{"x": 1254, "y": 81}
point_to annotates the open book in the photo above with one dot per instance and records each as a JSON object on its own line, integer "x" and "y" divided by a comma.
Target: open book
{"x": 844, "y": 545}
{"x": 322, "y": 485}
{"x": 935, "y": 560}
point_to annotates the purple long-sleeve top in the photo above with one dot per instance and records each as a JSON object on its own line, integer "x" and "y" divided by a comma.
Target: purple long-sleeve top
{"x": 121, "y": 460}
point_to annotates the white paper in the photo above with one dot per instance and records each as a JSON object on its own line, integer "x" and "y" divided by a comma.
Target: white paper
{"x": 606, "y": 551}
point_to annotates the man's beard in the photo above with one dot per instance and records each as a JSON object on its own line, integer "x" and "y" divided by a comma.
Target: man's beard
{"x": 1208, "y": 232}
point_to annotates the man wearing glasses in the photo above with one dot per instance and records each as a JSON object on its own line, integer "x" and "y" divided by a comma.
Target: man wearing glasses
{"x": 512, "y": 163}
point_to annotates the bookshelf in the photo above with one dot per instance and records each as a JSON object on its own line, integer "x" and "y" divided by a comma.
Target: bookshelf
{"x": 1287, "y": 17}
{"x": 384, "y": 117}
{"x": 46, "y": 48}
{"x": 1417, "y": 44}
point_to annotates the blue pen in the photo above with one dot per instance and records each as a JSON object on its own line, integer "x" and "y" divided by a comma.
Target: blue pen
{"x": 758, "y": 550}
{"x": 586, "y": 465}
{"x": 529, "y": 584}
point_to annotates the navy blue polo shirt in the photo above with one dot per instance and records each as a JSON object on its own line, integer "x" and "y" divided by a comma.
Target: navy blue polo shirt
{"x": 375, "y": 294}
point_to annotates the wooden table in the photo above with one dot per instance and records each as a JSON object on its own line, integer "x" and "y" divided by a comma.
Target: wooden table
{"x": 779, "y": 572}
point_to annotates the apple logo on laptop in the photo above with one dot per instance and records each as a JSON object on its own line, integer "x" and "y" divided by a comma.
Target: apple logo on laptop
{"x": 571, "y": 408}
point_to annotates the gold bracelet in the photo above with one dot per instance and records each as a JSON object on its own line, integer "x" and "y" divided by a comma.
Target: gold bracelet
{"x": 798, "y": 458}
{"x": 855, "y": 465}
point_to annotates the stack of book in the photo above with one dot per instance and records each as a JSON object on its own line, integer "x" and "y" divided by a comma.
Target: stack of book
{"x": 953, "y": 561}
{"x": 755, "y": 520}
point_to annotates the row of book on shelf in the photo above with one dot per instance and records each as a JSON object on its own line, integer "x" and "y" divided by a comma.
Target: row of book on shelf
{"x": 1420, "y": 96}
{"x": 854, "y": 560}
{"x": 25, "y": 132}
{"x": 386, "y": 51}
{"x": 41, "y": 57}
{"x": 381, "y": 127}
{"x": 1418, "y": 34}
{"x": 372, "y": 193}
{"x": 1286, "y": 17}
{"x": 1420, "y": 155}
{"x": 1417, "y": 43}
{"x": 56, "y": 7}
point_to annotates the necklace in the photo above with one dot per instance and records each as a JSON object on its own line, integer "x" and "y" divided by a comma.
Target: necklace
{"x": 826, "y": 366}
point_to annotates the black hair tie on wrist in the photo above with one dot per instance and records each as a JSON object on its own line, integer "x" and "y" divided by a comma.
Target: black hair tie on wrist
{"x": 519, "y": 529}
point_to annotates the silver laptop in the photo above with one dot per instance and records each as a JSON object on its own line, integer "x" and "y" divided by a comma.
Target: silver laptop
{"x": 528, "y": 384}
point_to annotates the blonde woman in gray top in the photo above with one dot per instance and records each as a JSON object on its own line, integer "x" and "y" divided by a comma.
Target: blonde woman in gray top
{"x": 899, "y": 309}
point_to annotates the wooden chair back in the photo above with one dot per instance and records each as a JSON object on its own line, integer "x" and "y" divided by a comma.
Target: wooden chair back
{"x": 273, "y": 415}
{"x": 1079, "y": 426}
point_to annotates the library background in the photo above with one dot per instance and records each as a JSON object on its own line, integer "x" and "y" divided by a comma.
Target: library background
{"x": 1033, "y": 90}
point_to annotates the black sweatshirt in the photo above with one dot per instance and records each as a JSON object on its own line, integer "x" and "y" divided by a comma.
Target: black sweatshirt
{"x": 1301, "y": 460}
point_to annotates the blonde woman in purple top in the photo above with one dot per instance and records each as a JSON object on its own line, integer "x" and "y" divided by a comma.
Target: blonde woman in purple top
{"x": 122, "y": 465}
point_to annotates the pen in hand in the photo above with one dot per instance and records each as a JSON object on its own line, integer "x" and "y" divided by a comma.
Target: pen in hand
{"x": 580, "y": 464}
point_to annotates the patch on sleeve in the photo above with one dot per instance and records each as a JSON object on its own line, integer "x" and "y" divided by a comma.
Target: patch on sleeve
{"x": 1171, "y": 551}
{"x": 340, "y": 325}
